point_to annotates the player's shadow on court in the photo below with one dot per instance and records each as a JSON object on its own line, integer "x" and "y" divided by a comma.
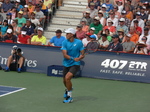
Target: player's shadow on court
{"x": 85, "y": 98}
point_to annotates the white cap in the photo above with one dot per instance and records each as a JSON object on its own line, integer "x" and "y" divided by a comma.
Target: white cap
{"x": 70, "y": 30}
{"x": 121, "y": 19}
{"x": 110, "y": 21}
{"x": 129, "y": 35}
{"x": 9, "y": 30}
{"x": 26, "y": 6}
{"x": 97, "y": 18}
{"x": 23, "y": 32}
{"x": 100, "y": 12}
{"x": 87, "y": 11}
{"x": 92, "y": 28}
{"x": 17, "y": 0}
{"x": 138, "y": 13}
{"x": 40, "y": 28}
{"x": 104, "y": 6}
{"x": 123, "y": 12}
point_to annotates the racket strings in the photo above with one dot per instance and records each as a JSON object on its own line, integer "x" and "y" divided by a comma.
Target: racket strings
{"x": 92, "y": 47}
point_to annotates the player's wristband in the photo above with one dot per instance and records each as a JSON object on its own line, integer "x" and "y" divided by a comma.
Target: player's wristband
{"x": 72, "y": 58}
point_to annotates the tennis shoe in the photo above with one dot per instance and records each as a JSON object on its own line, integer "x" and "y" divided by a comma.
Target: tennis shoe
{"x": 19, "y": 70}
{"x": 65, "y": 94}
{"x": 68, "y": 100}
{"x": 7, "y": 69}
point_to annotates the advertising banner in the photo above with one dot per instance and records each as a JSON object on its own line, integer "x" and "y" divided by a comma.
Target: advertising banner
{"x": 110, "y": 65}
{"x": 106, "y": 65}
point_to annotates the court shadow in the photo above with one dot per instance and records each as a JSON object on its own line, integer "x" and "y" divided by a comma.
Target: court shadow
{"x": 85, "y": 98}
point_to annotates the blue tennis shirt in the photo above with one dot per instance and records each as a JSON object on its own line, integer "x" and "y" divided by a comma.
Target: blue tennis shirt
{"x": 73, "y": 49}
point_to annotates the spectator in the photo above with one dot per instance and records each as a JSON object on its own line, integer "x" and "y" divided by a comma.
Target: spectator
{"x": 145, "y": 34}
{"x": 121, "y": 35}
{"x": 29, "y": 28}
{"x": 16, "y": 29}
{"x": 26, "y": 13}
{"x": 21, "y": 19}
{"x": 128, "y": 46}
{"x": 147, "y": 5}
{"x": 127, "y": 21}
{"x": 104, "y": 7}
{"x": 14, "y": 13}
{"x": 6, "y": 6}
{"x": 34, "y": 21}
{"x": 85, "y": 27}
{"x": 102, "y": 19}
{"x": 117, "y": 14}
{"x": 109, "y": 6}
{"x": 9, "y": 37}
{"x": 110, "y": 26}
{"x": 113, "y": 19}
{"x": 80, "y": 34}
{"x": 44, "y": 8}
{"x": 122, "y": 26}
{"x": 138, "y": 9}
{"x": 87, "y": 17}
{"x": 148, "y": 26}
{"x": 103, "y": 43}
{"x": 31, "y": 7}
{"x": 48, "y": 4}
{"x": 97, "y": 4}
{"x": 18, "y": 6}
{"x": 4, "y": 27}
{"x": 39, "y": 14}
{"x": 39, "y": 39}
{"x": 134, "y": 37}
{"x": 9, "y": 18}
{"x": 86, "y": 40}
{"x": 93, "y": 11}
{"x": 23, "y": 38}
{"x": 138, "y": 30}
{"x": 109, "y": 34}
{"x": 15, "y": 60}
{"x": 129, "y": 13}
{"x": 141, "y": 22}
{"x": 96, "y": 24}
{"x": 92, "y": 30}
{"x": 141, "y": 48}
{"x": 144, "y": 16}
{"x": 120, "y": 4}
{"x": 57, "y": 40}
{"x": 93, "y": 45}
{"x": 129, "y": 3}
{"x": 115, "y": 45}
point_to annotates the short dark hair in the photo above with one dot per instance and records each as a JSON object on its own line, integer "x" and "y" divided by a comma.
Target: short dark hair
{"x": 58, "y": 31}
{"x": 19, "y": 50}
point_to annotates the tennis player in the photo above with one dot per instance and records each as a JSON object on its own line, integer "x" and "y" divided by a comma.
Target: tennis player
{"x": 73, "y": 52}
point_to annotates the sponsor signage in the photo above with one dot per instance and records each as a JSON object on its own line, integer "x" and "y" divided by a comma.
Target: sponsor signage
{"x": 106, "y": 65}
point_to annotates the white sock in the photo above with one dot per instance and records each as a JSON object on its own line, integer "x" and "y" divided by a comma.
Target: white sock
{"x": 69, "y": 93}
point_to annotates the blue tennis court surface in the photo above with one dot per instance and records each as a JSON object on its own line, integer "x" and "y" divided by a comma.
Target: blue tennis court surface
{"x": 6, "y": 90}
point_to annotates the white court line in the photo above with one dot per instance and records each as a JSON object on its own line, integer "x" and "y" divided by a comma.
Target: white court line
{"x": 12, "y": 91}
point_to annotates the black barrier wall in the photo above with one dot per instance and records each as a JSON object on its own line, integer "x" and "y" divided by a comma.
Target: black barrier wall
{"x": 106, "y": 65}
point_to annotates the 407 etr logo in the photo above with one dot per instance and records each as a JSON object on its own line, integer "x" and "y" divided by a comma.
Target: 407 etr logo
{"x": 120, "y": 64}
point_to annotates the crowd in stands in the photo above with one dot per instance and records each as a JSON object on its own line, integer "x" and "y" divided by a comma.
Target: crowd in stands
{"x": 22, "y": 21}
{"x": 121, "y": 26}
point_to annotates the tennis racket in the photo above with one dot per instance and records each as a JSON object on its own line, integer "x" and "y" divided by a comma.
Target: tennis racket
{"x": 91, "y": 47}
